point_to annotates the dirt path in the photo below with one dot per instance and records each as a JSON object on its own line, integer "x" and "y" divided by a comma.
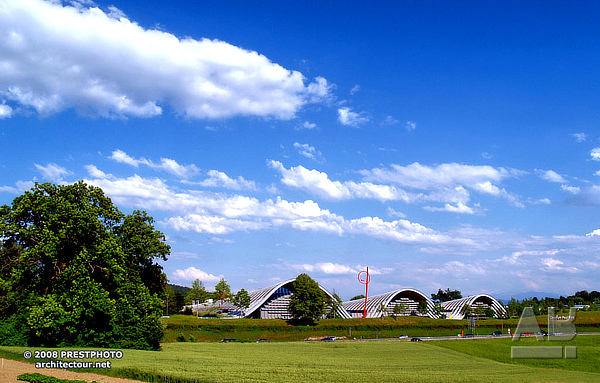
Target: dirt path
{"x": 10, "y": 369}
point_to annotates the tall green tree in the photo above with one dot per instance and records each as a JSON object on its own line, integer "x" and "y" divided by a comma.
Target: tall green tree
{"x": 197, "y": 293}
{"x": 222, "y": 291}
{"x": 308, "y": 301}
{"x": 242, "y": 300}
{"x": 75, "y": 271}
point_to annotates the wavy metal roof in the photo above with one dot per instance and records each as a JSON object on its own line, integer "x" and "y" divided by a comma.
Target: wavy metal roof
{"x": 375, "y": 302}
{"x": 454, "y": 308}
{"x": 259, "y": 297}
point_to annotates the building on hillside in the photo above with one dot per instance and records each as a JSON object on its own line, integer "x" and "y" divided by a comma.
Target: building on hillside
{"x": 397, "y": 302}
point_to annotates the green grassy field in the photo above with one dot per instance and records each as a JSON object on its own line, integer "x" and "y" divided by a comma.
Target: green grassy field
{"x": 588, "y": 352}
{"x": 211, "y": 330}
{"x": 389, "y": 361}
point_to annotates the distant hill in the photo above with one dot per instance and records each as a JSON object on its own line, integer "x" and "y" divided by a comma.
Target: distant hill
{"x": 182, "y": 289}
{"x": 527, "y": 295}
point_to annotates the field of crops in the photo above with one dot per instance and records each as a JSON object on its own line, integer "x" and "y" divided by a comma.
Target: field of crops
{"x": 211, "y": 330}
{"x": 477, "y": 361}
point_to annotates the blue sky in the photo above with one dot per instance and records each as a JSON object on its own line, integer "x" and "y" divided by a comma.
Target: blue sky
{"x": 441, "y": 144}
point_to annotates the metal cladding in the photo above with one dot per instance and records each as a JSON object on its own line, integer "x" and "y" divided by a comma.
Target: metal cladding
{"x": 384, "y": 304}
{"x": 455, "y": 309}
{"x": 272, "y": 302}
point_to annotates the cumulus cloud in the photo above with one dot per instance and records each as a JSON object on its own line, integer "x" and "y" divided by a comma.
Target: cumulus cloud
{"x": 389, "y": 120}
{"x": 318, "y": 183}
{"x": 57, "y": 57}
{"x": 595, "y": 153}
{"x": 308, "y": 151}
{"x": 5, "y": 111}
{"x": 93, "y": 171}
{"x": 218, "y": 214}
{"x": 551, "y": 176}
{"x": 570, "y": 189}
{"x": 52, "y": 172}
{"x": 323, "y": 268}
{"x": 350, "y": 118}
{"x": 410, "y": 126}
{"x": 447, "y": 177}
{"x": 192, "y": 273}
{"x": 458, "y": 208}
{"x": 579, "y": 137}
{"x": 220, "y": 179}
{"x": 166, "y": 164}
{"x": 307, "y": 125}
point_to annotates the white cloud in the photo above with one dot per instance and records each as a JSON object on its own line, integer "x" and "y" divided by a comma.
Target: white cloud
{"x": 595, "y": 233}
{"x": 307, "y": 125}
{"x": 52, "y": 172}
{"x": 308, "y": 151}
{"x": 579, "y": 137}
{"x": 551, "y": 176}
{"x": 8, "y": 189}
{"x": 349, "y": 118}
{"x": 311, "y": 180}
{"x": 166, "y": 164}
{"x": 93, "y": 171}
{"x": 57, "y": 57}
{"x": 220, "y": 179}
{"x": 394, "y": 213}
{"x": 595, "y": 153}
{"x": 570, "y": 189}
{"x": 355, "y": 89}
{"x": 323, "y": 268}
{"x": 5, "y": 111}
{"x": 192, "y": 273}
{"x": 389, "y": 120}
{"x": 458, "y": 208}
{"x": 318, "y": 183}
{"x": 410, "y": 126}
{"x": 420, "y": 176}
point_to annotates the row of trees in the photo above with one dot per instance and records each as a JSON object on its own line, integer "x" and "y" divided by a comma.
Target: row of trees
{"x": 198, "y": 293}
{"x": 589, "y": 300}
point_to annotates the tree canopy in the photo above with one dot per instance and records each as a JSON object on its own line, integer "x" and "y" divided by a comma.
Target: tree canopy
{"x": 446, "y": 295}
{"x": 76, "y": 271}
{"x": 308, "y": 301}
{"x": 242, "y": 300}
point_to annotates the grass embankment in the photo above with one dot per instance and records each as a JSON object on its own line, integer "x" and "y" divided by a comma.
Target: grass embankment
{"x": 212, "y": 330}
{"x": 387, "y": 361}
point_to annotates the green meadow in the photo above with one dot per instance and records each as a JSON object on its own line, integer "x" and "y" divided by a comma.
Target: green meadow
{"x": 342, "y": 361}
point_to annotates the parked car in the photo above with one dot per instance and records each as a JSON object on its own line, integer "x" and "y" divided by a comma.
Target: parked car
{"x": 328, "y": 339}
{"x": 262, "y": 340}
{"x": 415, "y": 340}
{"x": 497, "y": 333}
{"x": 403, "y": 337}
{"x": 541, "y": 332}
{"x": 468, "y": 336}
{"x": 227, "y": 340}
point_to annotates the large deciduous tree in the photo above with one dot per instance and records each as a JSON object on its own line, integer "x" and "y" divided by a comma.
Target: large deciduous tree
{"x": 308, "y": 302}
{"x": 75, "y": 271}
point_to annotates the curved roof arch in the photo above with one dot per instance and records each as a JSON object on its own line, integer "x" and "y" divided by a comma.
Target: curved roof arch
{"x": 454, "y": 308}
{"x": 375, "y": 302}
{"x": 259, "y": 297}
